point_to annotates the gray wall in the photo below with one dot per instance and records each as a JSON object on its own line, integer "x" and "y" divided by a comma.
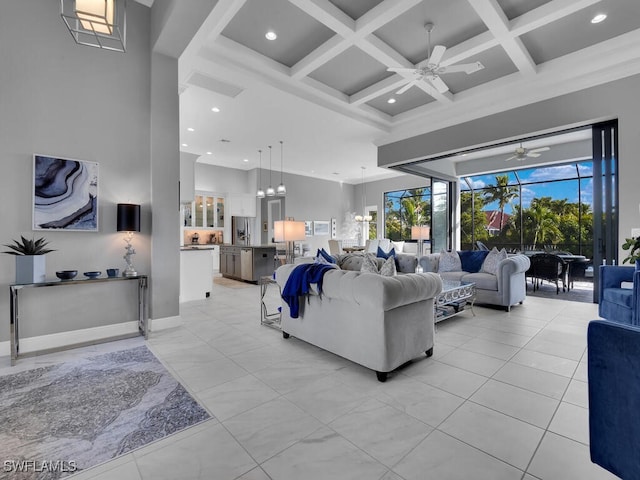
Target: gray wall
{"x": 73, "y": 101}
{"x": 617, "y": 99}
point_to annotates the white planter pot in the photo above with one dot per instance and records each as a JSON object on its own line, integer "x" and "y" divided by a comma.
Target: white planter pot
{"x": 30, "y": 268}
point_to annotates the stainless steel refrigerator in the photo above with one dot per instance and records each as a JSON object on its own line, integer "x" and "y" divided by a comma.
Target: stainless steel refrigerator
{"x": 241, "y": 230}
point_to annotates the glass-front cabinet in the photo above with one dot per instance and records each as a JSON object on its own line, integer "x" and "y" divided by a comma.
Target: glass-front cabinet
{"x": 207, "y": 211}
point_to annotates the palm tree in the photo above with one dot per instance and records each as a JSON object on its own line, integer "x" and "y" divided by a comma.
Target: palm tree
{"x": 502, "y": 193}
{"x": 544, "y": 223}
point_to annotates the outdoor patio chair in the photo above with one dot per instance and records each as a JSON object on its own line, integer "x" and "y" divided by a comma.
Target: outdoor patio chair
{"x": 549, "y": 267}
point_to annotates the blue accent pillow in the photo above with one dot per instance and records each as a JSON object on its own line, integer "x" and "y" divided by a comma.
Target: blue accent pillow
{"x": 472, "y": 260}
{"x": 382, "y": 254}
{"x": 323, "y": 253}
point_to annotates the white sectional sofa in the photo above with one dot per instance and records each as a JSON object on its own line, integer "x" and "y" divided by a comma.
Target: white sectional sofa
{"x": 376, "y": 321}
{"x": 507, "y": 288}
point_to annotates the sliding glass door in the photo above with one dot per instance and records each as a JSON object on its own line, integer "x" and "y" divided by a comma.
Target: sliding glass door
{"x": 605, "y": 198}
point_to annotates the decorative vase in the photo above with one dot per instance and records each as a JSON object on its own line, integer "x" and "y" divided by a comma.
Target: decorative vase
{"x": 637, "y": 264}
{"x": 30, "y": 269}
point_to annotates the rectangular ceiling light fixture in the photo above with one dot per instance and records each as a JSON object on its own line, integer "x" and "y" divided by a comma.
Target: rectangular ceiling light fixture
{"x": 97, "y": 23}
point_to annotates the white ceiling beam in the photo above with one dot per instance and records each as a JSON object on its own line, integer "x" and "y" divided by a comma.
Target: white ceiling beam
{"x": 321, "y": 55}
{"x": 328, "y": 14}
{"x": 220, "y": 16}
{"x": 365, "y": 95}
{"x": 382, "y": 52}
{"x": 264, "y": 69}
{"x": 547, "y": 13}
{"x": 382, "y": 14}
{"x": 468, "y": 48}
{"x": 619, "y": 58}
{"x": 347, "y": 34}
{"x": 497, "y": 22}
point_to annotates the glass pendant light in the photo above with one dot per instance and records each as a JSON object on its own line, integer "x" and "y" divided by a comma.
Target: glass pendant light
{"x": 260, "y": 192}
{"x": 281, "y": 190}
{"x": 270, "y": 191}
{"x": 364, "y": 217}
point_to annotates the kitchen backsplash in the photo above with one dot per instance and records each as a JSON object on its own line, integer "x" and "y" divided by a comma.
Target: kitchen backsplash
{"x": 202, "y": 237}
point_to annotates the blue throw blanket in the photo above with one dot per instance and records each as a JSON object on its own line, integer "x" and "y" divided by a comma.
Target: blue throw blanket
{"x": 299, "y": 283}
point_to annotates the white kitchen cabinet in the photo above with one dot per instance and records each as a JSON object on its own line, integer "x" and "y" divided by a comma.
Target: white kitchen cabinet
{"x": 196, "y": 274}
{"x": 207, "y": 211}
{"x": 242, "y": 204}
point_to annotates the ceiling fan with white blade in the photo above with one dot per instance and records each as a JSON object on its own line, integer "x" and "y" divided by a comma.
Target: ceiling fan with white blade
{"x": 429, "y": 71}
{"x": 521, "y": 153}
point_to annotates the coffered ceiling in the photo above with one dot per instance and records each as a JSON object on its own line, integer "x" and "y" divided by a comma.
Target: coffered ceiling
{"x": 323, "y": 85}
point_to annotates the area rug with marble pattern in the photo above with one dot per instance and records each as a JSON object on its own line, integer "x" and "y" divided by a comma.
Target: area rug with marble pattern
{"x": 60, "y": 419}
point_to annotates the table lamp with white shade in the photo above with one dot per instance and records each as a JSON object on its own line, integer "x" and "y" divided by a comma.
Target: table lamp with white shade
{"x": 288, "y": 231}
{"x": 420, "y": 233}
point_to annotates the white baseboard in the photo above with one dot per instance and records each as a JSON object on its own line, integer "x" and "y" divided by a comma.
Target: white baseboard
{"x": 62, "y": 339}
{"x": 164, "y": 323}
{"x": 87, "y": 335}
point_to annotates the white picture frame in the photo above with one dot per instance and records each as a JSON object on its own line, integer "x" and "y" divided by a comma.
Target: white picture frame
{"x": 308, "y": 228}
{"x": 321, "y": 227}
{"x": 64, "y": 194}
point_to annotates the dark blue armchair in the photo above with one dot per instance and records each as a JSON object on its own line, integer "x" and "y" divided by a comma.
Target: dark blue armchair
{"x": 614, "y": 397}
{"x": 618, "y": 304}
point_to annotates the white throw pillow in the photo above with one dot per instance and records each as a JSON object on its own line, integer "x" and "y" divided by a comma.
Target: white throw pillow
{"x": 372, "y": 246}
{"x": 385, "y": 245}
{"x": 494, "y": 257}
{"x": 449, "y": 262}
{"x": 398, "y": 246}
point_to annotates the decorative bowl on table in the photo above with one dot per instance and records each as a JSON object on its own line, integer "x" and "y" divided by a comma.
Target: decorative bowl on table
{"x": 92, "y": 274}
{"x": 66, "y": 274}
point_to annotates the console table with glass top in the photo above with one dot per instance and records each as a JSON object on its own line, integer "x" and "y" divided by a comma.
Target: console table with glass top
{"x": 455, "y": 298}
{"x": 14, "y": 290}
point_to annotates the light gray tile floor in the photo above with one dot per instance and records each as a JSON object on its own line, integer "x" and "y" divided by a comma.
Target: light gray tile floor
{"x": 503, "y": 397}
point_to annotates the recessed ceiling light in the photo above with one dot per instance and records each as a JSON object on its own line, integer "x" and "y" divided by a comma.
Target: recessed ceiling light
{"x": 185, "y": 145}
{"x": 270, "y": 35}
{"x": 245, "y": 160}
{"x": 215, "y": 109}
{"x": 598, "y": 18}
{"x": 391, "y": 100}
{"x": 190, "y": 129}
{"x": 209, "y": 153}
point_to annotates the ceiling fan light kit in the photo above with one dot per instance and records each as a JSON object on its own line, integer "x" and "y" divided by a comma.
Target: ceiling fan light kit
{"x": 429, "y": 71}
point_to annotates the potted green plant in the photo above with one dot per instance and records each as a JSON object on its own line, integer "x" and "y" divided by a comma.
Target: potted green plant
{"x": 30, "y": 260}
{"x": 633, "y": 245}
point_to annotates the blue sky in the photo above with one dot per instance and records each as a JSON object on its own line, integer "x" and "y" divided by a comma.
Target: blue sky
{"x": 531, "y": 189}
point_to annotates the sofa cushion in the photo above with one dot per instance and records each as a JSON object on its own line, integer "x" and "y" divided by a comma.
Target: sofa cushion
{"x": 369, "y": 264}
{"x": 406, "y": 263}
{"x": 456, "y": 276}
{"x": 449, "y": 262}
{"x": 483, "y": 281}
{"x": 490, "y": 264}
{"x": 619, "y": 296}
{"x": 472, "y": 260}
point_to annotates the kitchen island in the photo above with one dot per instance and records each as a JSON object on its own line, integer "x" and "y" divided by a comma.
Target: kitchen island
{"x": 246, "y": 262}
{"x": 196, "y": 271}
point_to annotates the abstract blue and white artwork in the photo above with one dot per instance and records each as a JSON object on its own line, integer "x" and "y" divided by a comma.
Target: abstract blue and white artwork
{"x": 65, "y": 194}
